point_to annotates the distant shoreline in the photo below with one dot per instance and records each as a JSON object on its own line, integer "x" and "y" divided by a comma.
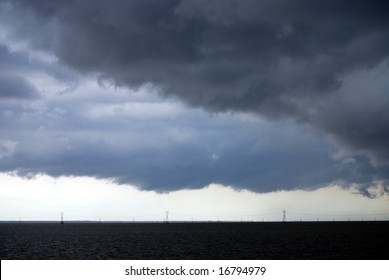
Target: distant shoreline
{"x": 187, "y": 222}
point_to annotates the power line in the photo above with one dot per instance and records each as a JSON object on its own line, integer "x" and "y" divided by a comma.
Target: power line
{"x": 217, "y": 217}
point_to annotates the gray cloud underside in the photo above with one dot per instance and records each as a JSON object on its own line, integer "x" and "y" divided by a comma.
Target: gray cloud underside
{"x": 323, "y": 64}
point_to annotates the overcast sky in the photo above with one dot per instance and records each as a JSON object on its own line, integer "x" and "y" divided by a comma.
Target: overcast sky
{"x": 275, "y": 100}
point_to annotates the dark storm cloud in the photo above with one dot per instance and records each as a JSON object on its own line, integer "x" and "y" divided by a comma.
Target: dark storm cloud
{"x": 151, "y": 156}
{"x": 16, "y": 66}
{"x": 275, "y": 58}
{"x": 16, "y": 87}
{"x": 13, "y": 85}
{"x": 301, "y": 60}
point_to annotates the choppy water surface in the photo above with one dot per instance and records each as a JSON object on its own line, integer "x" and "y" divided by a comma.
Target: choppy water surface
{"x": 299, "y": 240}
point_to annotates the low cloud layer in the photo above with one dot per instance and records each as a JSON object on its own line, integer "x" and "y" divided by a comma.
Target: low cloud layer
{"x": 318, "y": 69}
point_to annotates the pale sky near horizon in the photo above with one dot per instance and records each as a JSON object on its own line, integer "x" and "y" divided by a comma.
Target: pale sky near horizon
{"x": 43, "y": 198}
{"x": 220, "y": 109}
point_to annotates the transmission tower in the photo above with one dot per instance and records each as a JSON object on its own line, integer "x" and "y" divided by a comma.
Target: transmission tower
{"x": 167, "y": 217}
{"x": 284, "y": 216}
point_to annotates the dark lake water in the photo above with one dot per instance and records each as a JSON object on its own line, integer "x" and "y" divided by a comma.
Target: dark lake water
{"x": 291, "y": 240}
